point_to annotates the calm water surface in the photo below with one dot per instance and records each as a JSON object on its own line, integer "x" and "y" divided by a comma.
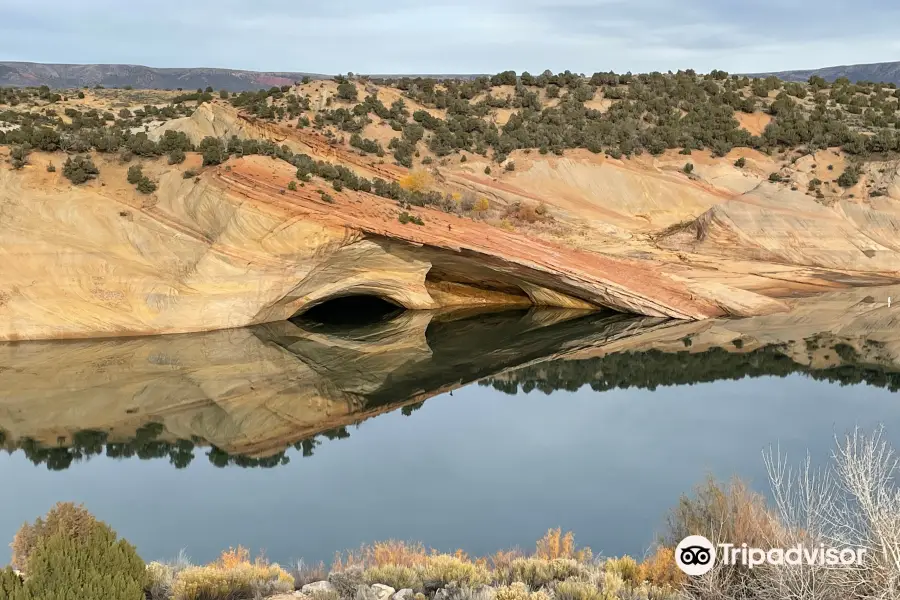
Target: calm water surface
{"x": 591, "y": 447}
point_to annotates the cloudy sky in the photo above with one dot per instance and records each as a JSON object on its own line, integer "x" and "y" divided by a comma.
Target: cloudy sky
{"x": 454, "y": 36}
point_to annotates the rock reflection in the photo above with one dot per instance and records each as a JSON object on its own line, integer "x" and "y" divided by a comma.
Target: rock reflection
{"x": 245, "y": 397}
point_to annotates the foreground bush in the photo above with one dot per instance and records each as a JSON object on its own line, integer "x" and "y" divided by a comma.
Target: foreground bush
{"x": 397, "y": 576}
{"x": 245, "y": 580}
{"x": 537, "y": 572}
{"x": 443, "y": 569}
{"x": 71, "y": 555}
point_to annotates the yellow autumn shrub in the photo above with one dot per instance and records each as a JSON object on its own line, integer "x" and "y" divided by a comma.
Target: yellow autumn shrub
{"x": 241, "y": 580}
{"x": 555, "y": 544}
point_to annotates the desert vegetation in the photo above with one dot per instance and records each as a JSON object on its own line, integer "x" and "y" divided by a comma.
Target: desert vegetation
{"x": 621, "y": 115}
{"x": 852, "y": 502}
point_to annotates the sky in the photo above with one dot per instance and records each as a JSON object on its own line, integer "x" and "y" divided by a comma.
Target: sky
{"x": 454, "y": 36}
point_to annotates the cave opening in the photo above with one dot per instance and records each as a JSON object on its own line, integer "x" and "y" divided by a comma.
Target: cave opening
{"x": 352, "y": 310}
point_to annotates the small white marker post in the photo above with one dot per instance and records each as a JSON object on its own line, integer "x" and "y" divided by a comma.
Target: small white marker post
{"x": 889, "y": 301}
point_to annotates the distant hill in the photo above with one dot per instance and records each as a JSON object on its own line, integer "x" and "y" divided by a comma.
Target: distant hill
{"x": 886, "y": 72}
{"x": 137, "y": 76}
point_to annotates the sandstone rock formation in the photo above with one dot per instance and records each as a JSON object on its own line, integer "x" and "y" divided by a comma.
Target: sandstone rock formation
{"x": 234, "y": 248}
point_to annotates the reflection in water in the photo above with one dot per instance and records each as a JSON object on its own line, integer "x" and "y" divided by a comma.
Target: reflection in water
{"x": 653, "y": 368}
{"x": 247, "y": 396}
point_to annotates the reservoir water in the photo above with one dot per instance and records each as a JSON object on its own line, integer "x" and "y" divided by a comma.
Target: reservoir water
{"x": 460, "y": 430}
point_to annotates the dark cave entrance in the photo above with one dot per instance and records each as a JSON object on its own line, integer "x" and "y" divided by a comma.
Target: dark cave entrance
{"x": 351, "y": 310}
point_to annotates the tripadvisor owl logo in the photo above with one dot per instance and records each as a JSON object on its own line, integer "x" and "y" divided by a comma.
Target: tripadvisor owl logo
{"x": 695, "y": 555}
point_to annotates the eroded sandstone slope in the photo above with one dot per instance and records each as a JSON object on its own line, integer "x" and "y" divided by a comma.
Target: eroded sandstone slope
{"x": 235, "y": 247}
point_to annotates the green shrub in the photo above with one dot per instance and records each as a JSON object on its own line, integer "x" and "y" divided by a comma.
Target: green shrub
{"x": 688, "y": 168}
{"x": 84, "y": 566}
{"x": 740, "y": 163}
{"x": 18, "y": 156}
{"x": 405, "y": 218}
{"x": 176, "y": 156}
{"x": 134, "y": 174}
{"x": 397, "y": 576}
{"x": 775, "y": 177}
{"x": 849, "y": 177}
{"x": 443, "y": 569}
{"x": 79, "y": 169}
{"x": 10, "y": 583}
{"x": 292, "y": 186}
{"x": 510, "y": 166}
{"x": 189, "y": 173}
{"x": 51, "y": 168}
{"x": 487, "y": 170}
{"x": 145, "y": 186}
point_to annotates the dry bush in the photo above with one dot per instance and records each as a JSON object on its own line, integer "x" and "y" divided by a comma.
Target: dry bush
{"x": 391, "y": 552}
{"x": 502, "y": 559}
{"x": 525, "y": 213}
{"x": 443, "y": 569}
{"x": 244, "y": 580}
{"x": 555, "y": 544}
{"x": 626, "y": 568}
{"x": 304, "y": 573}
{"x": 852, "y": 503}
{"x": 161, "y": 581}
{"x": 233, "y": 557}
{"x": 65, "y": 518}
{"x": 539, "y": 572}
{"x": 482, "y": 205}
{"x": 661, "y": 569}
{"x": 723, "y": 514}
{"x": 454, "y": 591}
{"x": 578, "y": 590}
{"x": 347, "y": 581}
{"x": 518, "y": 591}
{"x": 396, "y": 576}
